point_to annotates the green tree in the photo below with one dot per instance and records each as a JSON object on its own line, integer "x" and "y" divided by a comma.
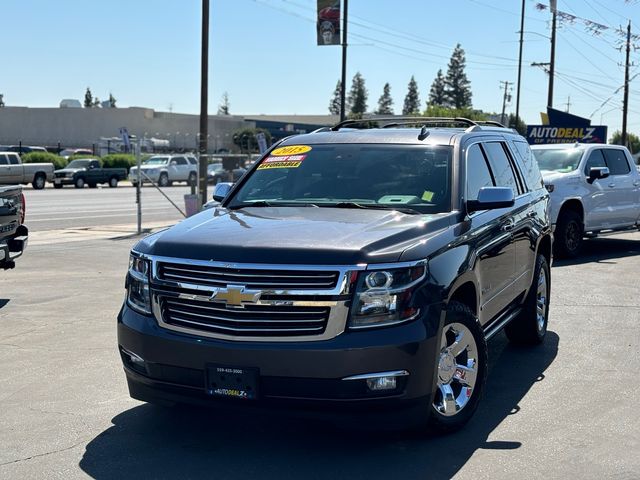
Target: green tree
{"x": 112, "y": 101}
{"x": 88, "y": 98}
{"x": 412, "y": 100}
{"x": 439, "y": 111}
{"x": 1, "y": 100}
{"x": 633, "y": 141}
{"x": 458, "y": 87}
{"x": 224, "y": 107}
{"x": 518, "y": 124}
{"x": 437, "y": 94}
{"x": 385, "y": 102}
{"x": 245, "y": 139}
{"x": 334, "y": 104}
{"x": 357, "y": 97}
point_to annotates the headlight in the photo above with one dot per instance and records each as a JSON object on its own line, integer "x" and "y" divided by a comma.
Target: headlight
{"x": 385, "y": 297}
{"x": 138, "y": 294}
{"x": 68, "y": 174}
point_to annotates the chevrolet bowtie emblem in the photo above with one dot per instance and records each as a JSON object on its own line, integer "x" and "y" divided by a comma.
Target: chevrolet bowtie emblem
{"x": 236, "y": 295}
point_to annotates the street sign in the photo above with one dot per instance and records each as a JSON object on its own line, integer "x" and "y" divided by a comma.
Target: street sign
{"x": 262, "y": 142}
{"x": 544, "y": 134}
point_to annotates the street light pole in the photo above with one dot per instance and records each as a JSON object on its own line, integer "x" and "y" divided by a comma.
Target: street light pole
{"x": 552, "y": 62}
{"x": 344, "y": 62}
{"x": 204, "y": 99}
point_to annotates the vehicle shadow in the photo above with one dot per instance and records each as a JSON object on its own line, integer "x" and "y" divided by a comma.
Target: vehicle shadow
{"x": 152, "y": 442}
{"x": 4, "y": 301}
{"x": 602, "y": 250}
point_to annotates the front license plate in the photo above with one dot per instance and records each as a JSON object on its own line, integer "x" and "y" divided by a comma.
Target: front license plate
{"x": 232, "y": 382}
{"x": 57, "y": 181}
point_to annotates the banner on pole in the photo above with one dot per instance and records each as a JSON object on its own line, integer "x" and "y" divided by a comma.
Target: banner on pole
{"x": 328, "y": 24}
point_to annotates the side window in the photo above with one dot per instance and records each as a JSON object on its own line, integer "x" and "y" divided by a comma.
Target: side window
{"x": 179, "y": 161}
{"x": 13, "y": 160}
{"x": 529, "y": 166}
{"x": 616, "y": 161}
{"x": 3, "y": 160}
{"x": 192, "y": 160}
{"x": 478, "y": 174}
{"x": 500, "y": 166}
{"x": 596, "y": 159}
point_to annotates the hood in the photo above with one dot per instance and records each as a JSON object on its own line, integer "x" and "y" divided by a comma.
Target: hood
{"x": 149, "y": 167}
{"x": 549, "y": 176}
{"x": 296, "y": 235}
{"x": 70, "y": 170}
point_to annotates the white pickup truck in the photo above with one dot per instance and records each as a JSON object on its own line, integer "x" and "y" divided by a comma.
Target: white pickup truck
{"x": 13, "y": 171}
{"x": 594, "y": 188}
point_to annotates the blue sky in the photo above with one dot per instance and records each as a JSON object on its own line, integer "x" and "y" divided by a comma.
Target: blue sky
{"x": 263, "y": 53}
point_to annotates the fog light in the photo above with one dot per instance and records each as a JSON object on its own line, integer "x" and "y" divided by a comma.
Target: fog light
{"x": 382, "y": 383}
{"x": 133, "y": 359}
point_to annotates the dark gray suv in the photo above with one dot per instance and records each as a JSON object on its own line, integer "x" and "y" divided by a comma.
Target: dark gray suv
{"x": 351, "y": 269}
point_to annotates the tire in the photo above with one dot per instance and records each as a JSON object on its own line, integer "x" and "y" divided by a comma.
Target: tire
{"x": 193, "y": 180}
{"x": 57, "y": 185}
{"x": 79, "y": 183}
{"x": 113, "y": 182}
{"x": 461, "y": 378}
{"x": 39, "y": 181}
{"x": 163, "y": 181}
{"x": 568, "y": 235}
{"x": 530, "y": 326}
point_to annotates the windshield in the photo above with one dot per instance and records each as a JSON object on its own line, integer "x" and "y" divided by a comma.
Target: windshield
{"x": 156, "y": 161}
{"x": 352, "y": 176}
{"x": 561, "y": 160}
{"x": 78, "y": 164}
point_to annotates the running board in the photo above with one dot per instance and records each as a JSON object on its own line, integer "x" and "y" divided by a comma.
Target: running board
{"x": 612, "y": 231}
{"x": 496, "y": 326}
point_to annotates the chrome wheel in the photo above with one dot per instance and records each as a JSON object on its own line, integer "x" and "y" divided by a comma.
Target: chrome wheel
{"x": 457, "y": 369}
{"x": 542, "y": 301}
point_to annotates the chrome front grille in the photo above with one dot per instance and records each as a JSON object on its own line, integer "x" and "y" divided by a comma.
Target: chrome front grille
{"x": 252, "y": 320}
{"x": 218, "y": 276}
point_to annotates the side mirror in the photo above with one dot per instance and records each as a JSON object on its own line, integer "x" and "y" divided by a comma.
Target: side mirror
{"x": 492, "y": 198}
{"x": 596, "y": 173}
{"x": 221, "y": 190}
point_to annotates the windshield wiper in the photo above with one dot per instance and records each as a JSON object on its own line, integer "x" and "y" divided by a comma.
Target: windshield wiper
{"x": 372, "y": 206}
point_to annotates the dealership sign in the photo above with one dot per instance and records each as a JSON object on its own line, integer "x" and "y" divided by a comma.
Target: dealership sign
{"x": 540, "y": 134}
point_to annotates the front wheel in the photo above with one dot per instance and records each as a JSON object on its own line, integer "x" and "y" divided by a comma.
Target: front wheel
{"x": 79, "y": 183}
{"x": 530, "y": 326}
{"x": 461, "y": 370}
{"x": 568, "y": 235}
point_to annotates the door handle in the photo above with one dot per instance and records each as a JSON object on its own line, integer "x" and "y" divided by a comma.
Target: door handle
{"x": 508, "y": 226}
{"x": 636, "y": 183}
{"x": 612, "y": 185}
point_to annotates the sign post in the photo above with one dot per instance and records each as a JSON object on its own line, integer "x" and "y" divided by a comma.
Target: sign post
{"x": 138, "y": 186}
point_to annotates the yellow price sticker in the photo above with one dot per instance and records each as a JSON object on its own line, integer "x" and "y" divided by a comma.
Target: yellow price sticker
{"x": 291, "y": 150}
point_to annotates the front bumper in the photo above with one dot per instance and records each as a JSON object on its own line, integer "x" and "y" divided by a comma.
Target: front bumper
{"x": 63, "y": 180}
{"x": 13, "y": 247}
{"x": 303, "y": 374}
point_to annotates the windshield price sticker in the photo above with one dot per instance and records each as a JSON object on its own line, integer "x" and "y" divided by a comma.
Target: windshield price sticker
{"x": 290, "y": 150}
{"x": 288, "y": 161}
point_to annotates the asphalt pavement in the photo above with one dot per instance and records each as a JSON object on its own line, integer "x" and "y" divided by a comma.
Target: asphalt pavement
{"x": 69, "y": 207}
{"x": 566, "y": 409}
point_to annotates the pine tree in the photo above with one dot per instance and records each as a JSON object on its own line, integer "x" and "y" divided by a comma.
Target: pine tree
{"x": 223, "y": 108}
{"x": 458, "y": 87}
{"x": 112, "y": 101}
{"x": 412, "y": 100}
{"x": 334, "y": 104}
{"x": 385, "y": 103}
{"x": 357, "y": 97}
{"x": 88, "y": 98}
{"x": 437, "y": 94}
{"x": 1, "y": 100}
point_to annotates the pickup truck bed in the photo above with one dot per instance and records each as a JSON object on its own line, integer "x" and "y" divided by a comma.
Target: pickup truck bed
{"x": 13, "y": 234}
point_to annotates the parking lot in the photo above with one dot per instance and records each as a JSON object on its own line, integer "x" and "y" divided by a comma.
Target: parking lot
{"x": 565, "y": 409}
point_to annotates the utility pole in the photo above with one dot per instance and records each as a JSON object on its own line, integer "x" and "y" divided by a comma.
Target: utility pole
{"x": 204, "y": 100}
{"x": 552, "y": 62}
{"x": 625, "y": 104}
{"x": 520, "y": 64}
{"x": 344, "y": 62}
{"x": 568, "y": 103}
{"x": 505, "y": 99}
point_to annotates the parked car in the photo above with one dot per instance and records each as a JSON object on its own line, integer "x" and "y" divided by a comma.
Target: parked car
{"x": 13, "y": 171}
{"x": 13, "y": 233}
{"x": 67, "y": 152}
{"x": 88, "y": 171}
{"x": 166, "y": 169}
{"x": 595, "y": 189}
{"x": 348, "y": 270}
{"x": 22, "y": 149}
{"x": 216, "y": 173}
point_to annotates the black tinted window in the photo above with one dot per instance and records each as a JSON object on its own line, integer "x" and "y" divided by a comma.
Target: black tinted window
{"x": 616, "y": 161}
{"x": 13, "y": 160}
{"x": 528, "y": 165}
{"x": 180, "y": 161}
{"x": 500, "y": 166}
{"x": 478, "y": 174}
{"x": 3, "y": 160}
{"x": 596, "y": 159}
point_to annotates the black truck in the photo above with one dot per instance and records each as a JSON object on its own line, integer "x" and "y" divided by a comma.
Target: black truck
{"x": 350, "y": 270}
{"x": 87, "y": 171}
{"x": 13, "y": 234}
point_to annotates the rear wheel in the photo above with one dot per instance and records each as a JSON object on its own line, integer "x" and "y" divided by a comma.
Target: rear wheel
{"x": 164, "y": 180}
{"x": 461, "y": 370}
{"x": 113, "y": 182}
{"x": 530, "y": 327}
{"x": 79, "y": 183}
{"x": 568, "y": 235}
{"x": 39, "y": 181}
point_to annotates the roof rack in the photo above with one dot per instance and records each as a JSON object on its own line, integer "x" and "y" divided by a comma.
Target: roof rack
{"x": 399, "y": 121}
